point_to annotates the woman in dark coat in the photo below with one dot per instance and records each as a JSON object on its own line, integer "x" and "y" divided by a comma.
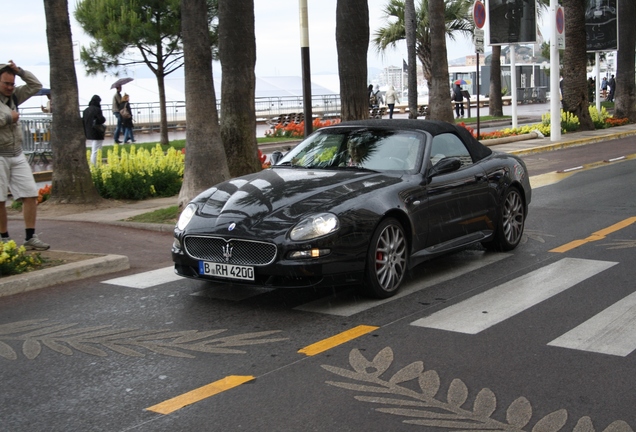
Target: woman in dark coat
{"x": 94, "y": 128}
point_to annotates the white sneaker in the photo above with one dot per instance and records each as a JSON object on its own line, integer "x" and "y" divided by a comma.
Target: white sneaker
{"x": 36, "y": 244}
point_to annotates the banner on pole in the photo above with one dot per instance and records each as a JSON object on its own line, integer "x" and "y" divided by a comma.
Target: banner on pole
{"x": 601, "y": 25}
{"x": 512, "y": 21}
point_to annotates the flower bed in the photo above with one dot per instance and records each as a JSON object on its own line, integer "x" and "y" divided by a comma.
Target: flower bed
{"x": 16, "y": 260}
{"x": 297, "y": 130}
{"x": 569, "y": 123}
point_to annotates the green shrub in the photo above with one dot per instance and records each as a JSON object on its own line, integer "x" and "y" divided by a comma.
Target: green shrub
{"x": 138, "y": 174}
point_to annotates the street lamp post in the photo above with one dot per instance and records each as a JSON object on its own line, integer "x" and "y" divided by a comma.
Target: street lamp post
{"x": 306, "y": 70}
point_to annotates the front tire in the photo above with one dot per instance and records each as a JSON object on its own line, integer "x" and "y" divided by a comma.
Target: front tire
{"x": 387, "y": 260}
{"x": 512, "y": 219}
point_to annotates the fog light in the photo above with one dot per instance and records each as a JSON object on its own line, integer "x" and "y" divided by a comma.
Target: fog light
{"x": 310, "y": 253}
{"x": 176, "y": 244}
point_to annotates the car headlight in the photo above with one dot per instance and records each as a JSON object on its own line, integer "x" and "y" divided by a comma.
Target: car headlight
{"x": 317, "y": 225}
{"x": 186, "y": 216}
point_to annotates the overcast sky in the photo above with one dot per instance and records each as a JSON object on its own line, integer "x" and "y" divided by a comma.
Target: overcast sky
{"x": 277, "y": 36}
{"x": 23, "y": 32}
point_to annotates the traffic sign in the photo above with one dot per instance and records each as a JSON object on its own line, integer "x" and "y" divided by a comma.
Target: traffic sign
{"x": 479, "y": 41}
{"x": 560, "y": 28}
{"x": 560, "y": 20}
{"x": 479, "y": 14}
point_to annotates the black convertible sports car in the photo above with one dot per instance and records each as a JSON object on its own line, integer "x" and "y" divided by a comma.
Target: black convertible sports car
{"x": 359, "y": 202}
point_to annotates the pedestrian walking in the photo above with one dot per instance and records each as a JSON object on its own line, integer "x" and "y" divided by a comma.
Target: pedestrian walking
{"x": 391, "y": 98}
{"x": 604, "y": 87}
{"x": 94, "y": 128}
{"x": 127, "y": 119}
{"x": 116, "y": 107}
{"x": 458, "y": 98}
{"x": 611, "y": 83}
{"x": 16, "y": 174}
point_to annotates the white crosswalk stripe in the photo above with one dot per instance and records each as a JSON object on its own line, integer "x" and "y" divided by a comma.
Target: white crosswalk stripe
{"x": 612, "y": 331}
{"x": 484, "y": 310}
{"x": 146, "y": 279}
{"x": 444, "y": 269}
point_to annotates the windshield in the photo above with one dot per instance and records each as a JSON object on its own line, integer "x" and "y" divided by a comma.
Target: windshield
{"x": 370, "y": 149}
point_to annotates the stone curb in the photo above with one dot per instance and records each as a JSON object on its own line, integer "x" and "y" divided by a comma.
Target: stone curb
{"x": 101, "y": 264}
{"x": 510, "y": 139}
{"x": 572, "y": 143}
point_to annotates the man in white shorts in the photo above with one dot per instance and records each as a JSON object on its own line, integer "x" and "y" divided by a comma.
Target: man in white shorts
{"x": 15, "y": 172}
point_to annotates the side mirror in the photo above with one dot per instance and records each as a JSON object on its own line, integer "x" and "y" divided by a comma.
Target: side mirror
{"x": 445, "y": 166}
{"x": 276, "y": 157}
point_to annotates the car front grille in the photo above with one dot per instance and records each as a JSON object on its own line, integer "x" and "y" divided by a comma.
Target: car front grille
{"x": 232, "y": 251}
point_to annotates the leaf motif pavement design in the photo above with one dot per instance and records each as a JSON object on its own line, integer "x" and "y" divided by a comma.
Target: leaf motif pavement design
{"x": 429, "y": 407}
{"x": 34, "y": 335}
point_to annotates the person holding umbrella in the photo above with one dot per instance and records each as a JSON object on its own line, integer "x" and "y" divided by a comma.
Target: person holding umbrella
{"x": 458, "y": 98}
{"x": 116, "y": 104}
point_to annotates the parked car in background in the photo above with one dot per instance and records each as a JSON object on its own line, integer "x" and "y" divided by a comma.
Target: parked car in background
{"x": 356, "y": 203}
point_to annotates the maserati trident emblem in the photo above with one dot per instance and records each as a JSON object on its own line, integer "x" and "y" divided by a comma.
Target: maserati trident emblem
{"x": 231, "y": 227}
{"x": 227, "y": 252}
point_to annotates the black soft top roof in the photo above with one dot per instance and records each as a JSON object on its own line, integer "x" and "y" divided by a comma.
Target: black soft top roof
{"x": 435, "y": 127}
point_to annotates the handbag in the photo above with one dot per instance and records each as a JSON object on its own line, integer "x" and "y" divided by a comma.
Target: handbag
{"x": 125, "y": 113}
{"x": 101, "y": 128}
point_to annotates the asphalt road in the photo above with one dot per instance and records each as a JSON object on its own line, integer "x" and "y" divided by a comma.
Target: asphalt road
{"x": 540, "y": 337}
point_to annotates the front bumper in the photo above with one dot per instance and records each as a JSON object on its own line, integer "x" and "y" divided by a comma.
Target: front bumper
{"x": 326, "y": 271}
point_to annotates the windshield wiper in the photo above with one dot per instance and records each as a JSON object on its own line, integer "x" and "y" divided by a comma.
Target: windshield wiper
{"x": 357, "y": 168}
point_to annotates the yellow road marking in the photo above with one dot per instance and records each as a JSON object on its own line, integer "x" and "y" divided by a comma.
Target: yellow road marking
{"x": 598, "y": 235}
{"x": 556, "y": 176}
{"x": 336, "y": 340}
{"x": 548, "y": 179}
{"x": 201, "y": 393}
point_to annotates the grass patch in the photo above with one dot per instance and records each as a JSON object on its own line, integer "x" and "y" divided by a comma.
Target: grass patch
{"x": 470, "y": 120}
{"x": 162, "y": 216}
{"x": 180, "y": 144}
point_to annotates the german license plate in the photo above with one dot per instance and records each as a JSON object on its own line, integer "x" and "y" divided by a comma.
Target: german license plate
{"x": 229, "y": 271}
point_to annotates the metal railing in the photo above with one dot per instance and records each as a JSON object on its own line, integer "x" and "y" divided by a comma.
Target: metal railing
{"x": 36, "y": 136}
{"x": 146, "y": 115}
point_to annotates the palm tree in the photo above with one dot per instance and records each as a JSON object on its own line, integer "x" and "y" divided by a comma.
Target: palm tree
{"x": 495, "y": 101}
{"x": 237, "y": 51}
{"x": 456, "y": 20}
{"x": 410, "y": 19}
{"x": 352, "y": 43}
{"x": 575, "y": 87}
{"x": 438, "y": 96}
{"x": 72, "y": 182}
{"x": 203, "y": 136}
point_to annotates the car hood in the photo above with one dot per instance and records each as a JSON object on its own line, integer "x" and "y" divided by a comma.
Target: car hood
{"x": 275, "y": 199}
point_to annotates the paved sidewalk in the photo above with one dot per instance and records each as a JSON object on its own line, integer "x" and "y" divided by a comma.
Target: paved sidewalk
{"x": 116, "y": 247}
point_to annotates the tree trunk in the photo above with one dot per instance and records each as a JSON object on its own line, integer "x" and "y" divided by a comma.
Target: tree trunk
{"x": 424, "y": 56}
{"x": 575, "y": 87}
{"x": 495, "y": 105}
{"x": 163, "y": 118}
{"x": 237, "y": 51}
{"x": 72, "y": 182}
{"x": 439, "y": 100}
{"x": 626, "y": 95}
{"x": 205, "y": 162}
{"x": 410, "y": 24}
{"x": 352, "y": 43}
